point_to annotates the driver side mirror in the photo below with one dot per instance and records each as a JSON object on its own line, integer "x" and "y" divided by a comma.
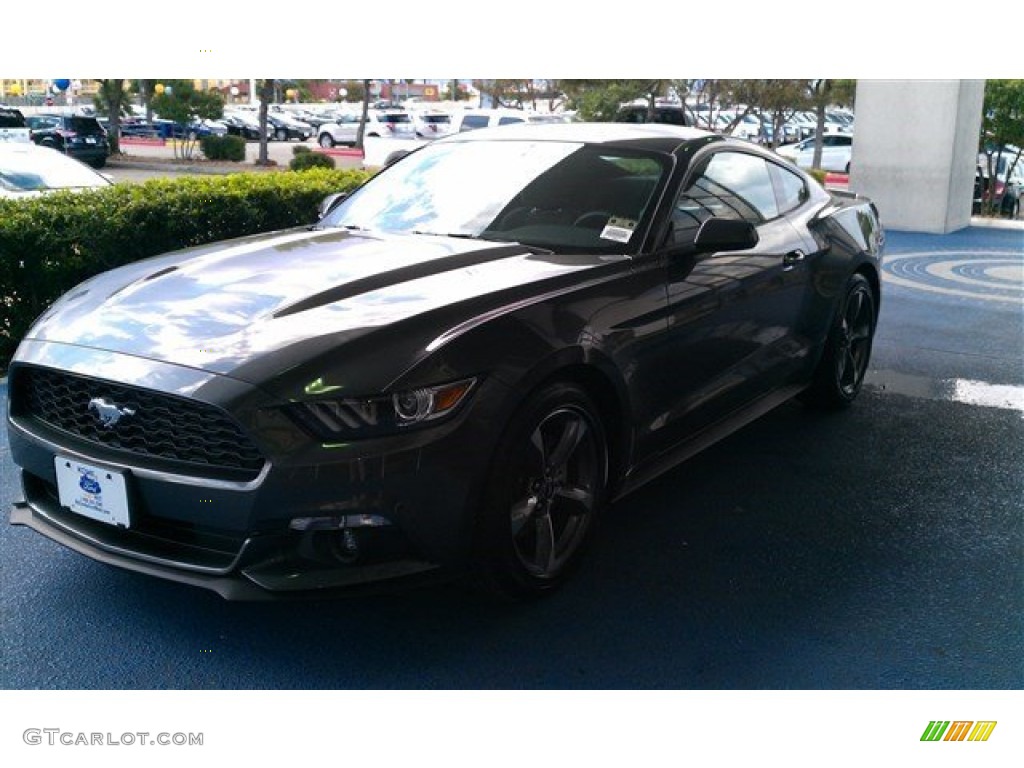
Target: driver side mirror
{"x": 725, "y": 235}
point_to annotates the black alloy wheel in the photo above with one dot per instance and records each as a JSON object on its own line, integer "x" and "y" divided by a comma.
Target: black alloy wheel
{"x": 546, "y": 490}
{"x": 840, "y": 373}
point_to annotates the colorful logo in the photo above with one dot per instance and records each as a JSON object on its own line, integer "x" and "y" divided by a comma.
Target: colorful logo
{"x": 958, "y": 730}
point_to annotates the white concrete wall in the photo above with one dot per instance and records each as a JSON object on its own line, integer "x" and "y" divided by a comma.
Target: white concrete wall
{"x": 915, "y": 151}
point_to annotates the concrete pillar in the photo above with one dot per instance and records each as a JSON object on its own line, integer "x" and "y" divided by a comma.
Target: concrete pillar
{"x": 915, "y": 151}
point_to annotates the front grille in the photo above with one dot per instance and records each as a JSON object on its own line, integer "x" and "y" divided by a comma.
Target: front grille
{"x": 162, "y": 427}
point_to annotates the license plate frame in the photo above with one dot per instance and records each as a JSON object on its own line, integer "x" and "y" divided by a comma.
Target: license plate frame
{"x": 96, "y": 492}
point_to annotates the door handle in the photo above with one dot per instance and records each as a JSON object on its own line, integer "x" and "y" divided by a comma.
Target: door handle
{"x": 792, "y": 258}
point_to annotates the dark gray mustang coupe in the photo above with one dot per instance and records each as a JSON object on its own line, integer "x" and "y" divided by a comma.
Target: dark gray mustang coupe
{"x": 454, "y": 371}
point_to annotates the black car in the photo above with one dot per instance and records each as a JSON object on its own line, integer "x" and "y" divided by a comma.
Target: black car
{"x": 77, "y": 136}
{"x": 669, "y": 114}
{"x": 284, "y": 128}
{"x": 247, "y": 128}
{"x": 453, "y": 372}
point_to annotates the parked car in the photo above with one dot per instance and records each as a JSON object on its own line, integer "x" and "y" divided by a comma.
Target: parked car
{"x": 392, "y": 124}
{"x": 836, "y": 152}
{"x": 669, "y": 114}
{"x": 1009, "y": 186}
{"x": 242, "y": 124}
{"x": 136, "y": 127}
{"x": 431, "y": 381}
{"x": 77, "y": 136}
{"x": 431, "y": 125}
{"x": 27, "y": 170}
{"x": 284, "y": 128}
{"x": 389, "y": 124}
{"x": 193, "y": 130}
{"x": 13, "y": 126}
{"x": 473, "y": 119}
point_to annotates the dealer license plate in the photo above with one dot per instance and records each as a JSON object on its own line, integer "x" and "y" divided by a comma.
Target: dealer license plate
{"x": 95, "y": 492}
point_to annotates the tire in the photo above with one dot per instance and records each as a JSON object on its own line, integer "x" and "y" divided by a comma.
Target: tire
{"x": 326, "y": 141}
{"x": 98, "y": 163}
{"x": 281, "y": 134}
{"x": 840, "y": 373}
{"x": 546, "y": 489}
{"x": 192, "y": 136}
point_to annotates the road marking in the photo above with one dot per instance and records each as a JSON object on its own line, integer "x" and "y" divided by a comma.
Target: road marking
{"x": 995, "y": 275}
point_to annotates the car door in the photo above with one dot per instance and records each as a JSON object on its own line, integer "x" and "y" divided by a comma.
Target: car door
{"x": 732, "y": 316}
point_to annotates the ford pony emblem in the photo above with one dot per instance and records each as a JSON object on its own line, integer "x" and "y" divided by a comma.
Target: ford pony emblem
{"x": 108, "y": 412}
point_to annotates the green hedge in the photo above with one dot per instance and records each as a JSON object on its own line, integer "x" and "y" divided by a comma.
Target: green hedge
{"x": 49, "y": 244}
{"x": 303, "y": 161}
{"x": 231, "y": 148}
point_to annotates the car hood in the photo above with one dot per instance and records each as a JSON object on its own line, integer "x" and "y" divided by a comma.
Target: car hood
{"x": 252, "y": 307}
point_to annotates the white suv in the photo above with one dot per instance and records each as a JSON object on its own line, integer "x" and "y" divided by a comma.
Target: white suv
{"x": 836, "y": 151}
{"x": 471, "y": 119}
{"x": 387, "y": 124}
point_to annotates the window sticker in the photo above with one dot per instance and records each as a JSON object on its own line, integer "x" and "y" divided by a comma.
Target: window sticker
{"x": 619, "y": 230}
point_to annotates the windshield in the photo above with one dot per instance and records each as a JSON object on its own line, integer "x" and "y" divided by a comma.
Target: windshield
{"x": 561, "y": 196}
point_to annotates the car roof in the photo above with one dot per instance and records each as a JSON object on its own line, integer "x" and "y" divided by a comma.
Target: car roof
{"x": 657, "y": 135}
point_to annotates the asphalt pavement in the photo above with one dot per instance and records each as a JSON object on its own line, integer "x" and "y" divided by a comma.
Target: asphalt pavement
{"x": 878, "y": 548}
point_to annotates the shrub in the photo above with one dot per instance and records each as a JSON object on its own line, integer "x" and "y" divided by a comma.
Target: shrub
{"x": 49, "y": 244}
{"x": 231, "y": 148}
{"x": 303, "y": 161}
{"x": 818, "y": 174}
{"x": 300, "y": 149}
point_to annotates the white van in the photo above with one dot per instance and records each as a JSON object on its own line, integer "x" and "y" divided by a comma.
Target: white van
{"x": 471, "y": 119}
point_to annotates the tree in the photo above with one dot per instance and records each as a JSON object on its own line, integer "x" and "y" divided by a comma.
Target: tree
{"x": 599, "y": 100}
{"x": 823, "y": 94}
{"x": 361, "y": 132}
{"x": 265, "y": 89}
{"x": 112, "y": 100}
{"x": 1002, "y": 125}
{"x": 146, "y": 90}
{"x": 182, "y": 103}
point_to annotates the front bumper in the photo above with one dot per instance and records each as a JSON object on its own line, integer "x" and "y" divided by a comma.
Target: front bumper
{"x": 246, "y": 539}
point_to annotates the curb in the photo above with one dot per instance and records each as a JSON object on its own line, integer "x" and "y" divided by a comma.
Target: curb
{"x": 174, "y": 168}
{"x": 993, "y": 223}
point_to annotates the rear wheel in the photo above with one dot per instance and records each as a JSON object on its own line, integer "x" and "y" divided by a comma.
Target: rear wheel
{"x": 281, "y": 134}
{"x": 840, "y": 373}
{"x": 546, "y": 489}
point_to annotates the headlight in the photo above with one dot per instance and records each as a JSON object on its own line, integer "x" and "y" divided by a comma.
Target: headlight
{"x": 352, "y": 418}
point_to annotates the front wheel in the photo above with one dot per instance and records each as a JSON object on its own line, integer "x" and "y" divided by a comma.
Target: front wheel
{"x": 281, "y": 134}
{"x": 326, "y": 141}
{"x": 840, "y": 373}
{"x": 546, "y": 489}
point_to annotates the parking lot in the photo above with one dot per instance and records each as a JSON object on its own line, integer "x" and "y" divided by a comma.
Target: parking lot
{"x": 879, "y": 548}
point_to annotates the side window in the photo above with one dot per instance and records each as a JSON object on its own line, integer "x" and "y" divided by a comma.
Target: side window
{"x": 510, "y": 120}
{"x": 790, "y": 188}
{"x": 471, "y": 122}
{"x": 670, "y": 116}
{"x": 731, "y": 185}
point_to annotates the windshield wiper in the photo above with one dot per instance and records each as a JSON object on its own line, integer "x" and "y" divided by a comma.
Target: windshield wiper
{"x": 465, "y": 236}
{"x": 461, "y": 235}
